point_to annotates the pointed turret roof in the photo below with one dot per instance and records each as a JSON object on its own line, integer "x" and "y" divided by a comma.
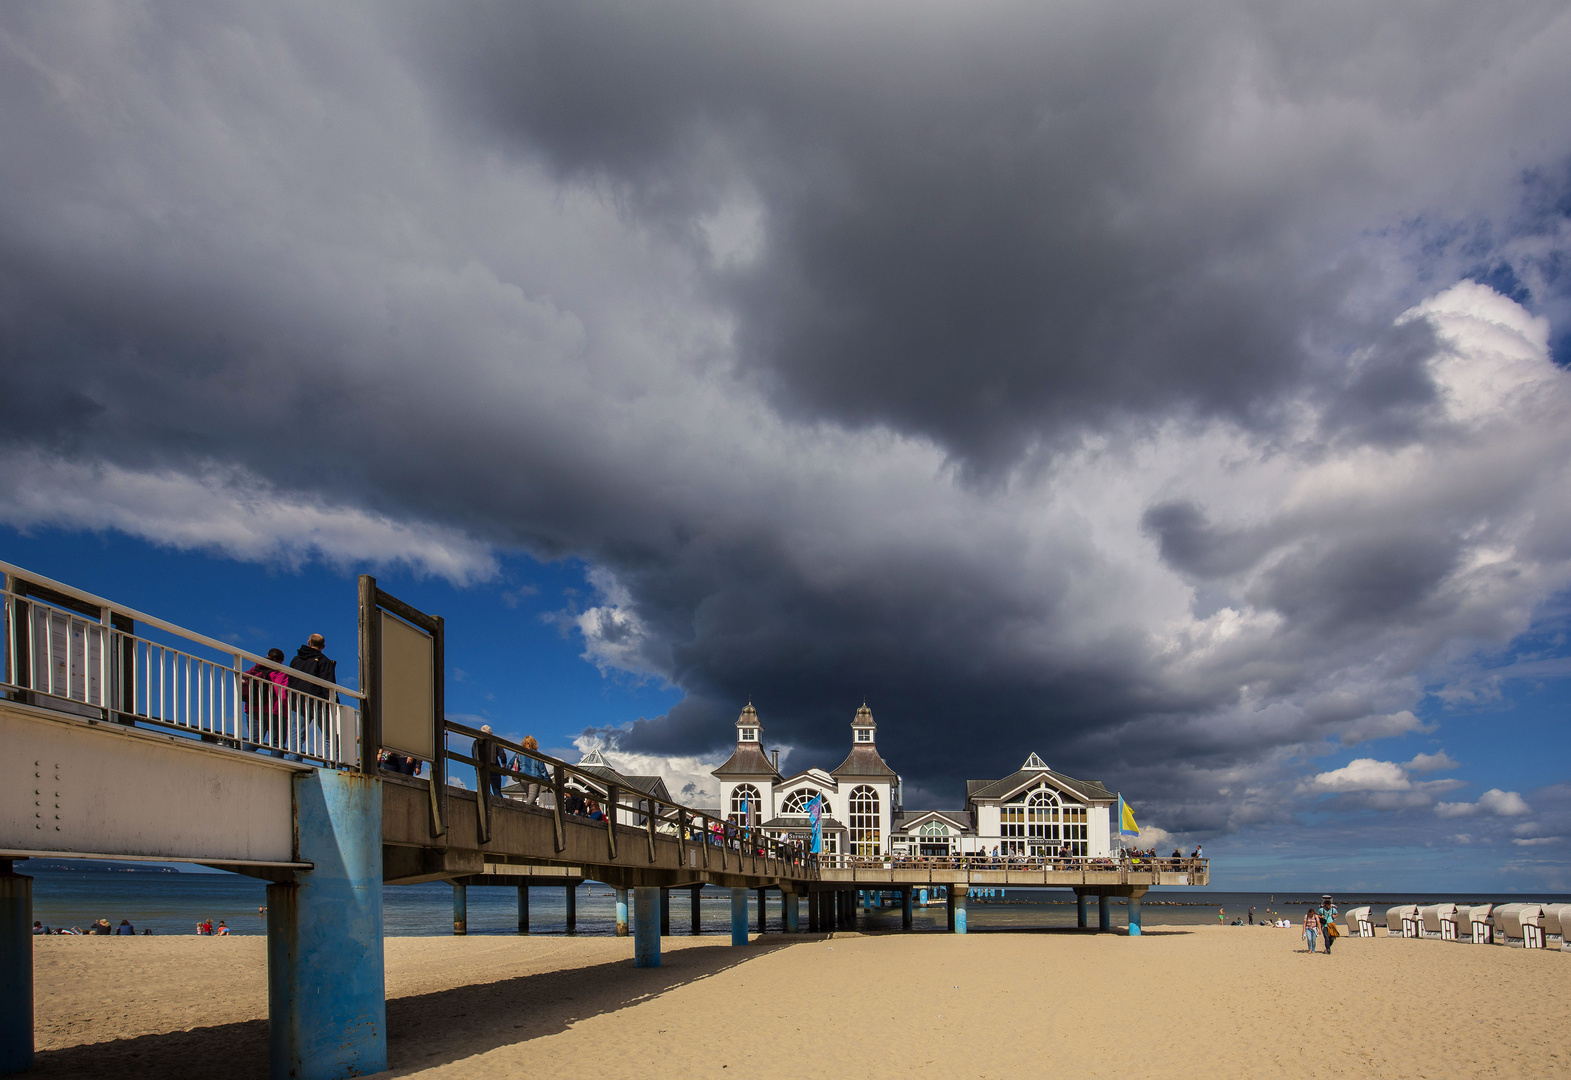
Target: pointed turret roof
{"x": 748, "y": 759}
{"x": 864, "y": 759}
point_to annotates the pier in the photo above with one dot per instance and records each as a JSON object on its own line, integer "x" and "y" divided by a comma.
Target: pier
{"x": 130, "y": 738}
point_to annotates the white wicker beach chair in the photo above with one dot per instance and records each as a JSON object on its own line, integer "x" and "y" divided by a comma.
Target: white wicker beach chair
{"x": 1432, "y": 919}
{"x": 1482, "y": 919}
{"x": 1359, "y": 922}
{"x": 1521, "y": 925}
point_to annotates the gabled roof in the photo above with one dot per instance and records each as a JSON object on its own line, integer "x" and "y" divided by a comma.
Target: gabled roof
{"x": 647, "y": 785}
{"x": 747, "y": 760}
{"x": 994, "y": 790}
{"x": 815, "y": 774}
{"x": 863, "y": 760}
{"x": 960, "y": 819}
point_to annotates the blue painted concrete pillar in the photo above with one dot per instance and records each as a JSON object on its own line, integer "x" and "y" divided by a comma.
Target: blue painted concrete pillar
{"x": 1104, "y": 913}
{"x": 16, "y": 970}
{"x": 621, "y": 913}
{"x": 326, "y": 991}
{"x": 958, "y": 892}
{"x": 646, "y": 927}
{"x": 905, "y": 909}
{"x": 739, "y": 916}
{"x": 460, "y": 908}
{"x": 1080, "y": 910}
{"x": 523, "y": 909}
{"x": 790, "y": 912}
{"x": 1134, "y": 916}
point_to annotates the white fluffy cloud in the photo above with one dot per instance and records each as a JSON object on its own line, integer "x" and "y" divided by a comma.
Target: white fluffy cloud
{"x": 228, "y": 510}
{"x": 1494, "y": 801}
{"x": 1365, "y": 774}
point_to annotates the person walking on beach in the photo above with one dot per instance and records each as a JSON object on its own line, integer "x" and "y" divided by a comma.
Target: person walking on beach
{"x": 1311, "y": 928}
{"x": 1327, "y": 913}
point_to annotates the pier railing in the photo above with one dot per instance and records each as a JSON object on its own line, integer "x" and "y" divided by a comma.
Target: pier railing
{"x": 77, "y": 653}
{"x": 1057, "y": 863}
{"x": 617, "y": 804}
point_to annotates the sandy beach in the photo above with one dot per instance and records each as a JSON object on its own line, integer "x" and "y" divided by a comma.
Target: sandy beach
{"x": 1218, "y": 1002}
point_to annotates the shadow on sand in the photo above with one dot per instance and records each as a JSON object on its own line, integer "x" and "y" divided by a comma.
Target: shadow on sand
{"x": 424, "y": 1030}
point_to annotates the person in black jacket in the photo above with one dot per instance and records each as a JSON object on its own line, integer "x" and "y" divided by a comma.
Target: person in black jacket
{"x": 312, "y": 714}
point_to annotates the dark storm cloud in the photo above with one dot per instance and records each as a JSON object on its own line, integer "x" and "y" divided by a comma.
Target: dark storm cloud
{"x": 1032, "y": 373}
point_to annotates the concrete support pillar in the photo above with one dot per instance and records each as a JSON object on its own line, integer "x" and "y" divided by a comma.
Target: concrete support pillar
{"x": 789, "y": 913}
{"x": 571, "y": 910}
{"x": 815, "y": 907}
{"x": 16, "y": 970}
{"x": 1104, "y": 913}
{"x": 698, "y": 909}
{"x": 646, "y": 927}
{"x": 739, "y": 916}
{"x": 905, "y": 909}
{"x": 1080, "y": 910}
{"x": 665, "y": 912}
{"x": 326, "y": 988}
{"x": 1134, "y": 916}
{"x": 763, "y": 913}
{"x": 460, "y": 909}
{"x": 523, "y": 909}
{"x": 959, "y": 894}
{"x": 621, "y": 913}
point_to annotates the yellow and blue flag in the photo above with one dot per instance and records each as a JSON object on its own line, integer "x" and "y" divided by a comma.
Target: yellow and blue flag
{"x": 1126, "y": 819}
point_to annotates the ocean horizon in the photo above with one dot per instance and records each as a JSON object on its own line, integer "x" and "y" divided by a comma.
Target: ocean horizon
{"x": 174, "y": 903}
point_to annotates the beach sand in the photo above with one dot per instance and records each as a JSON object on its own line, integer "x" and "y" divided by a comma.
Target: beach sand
{"x": 1213, "y": 1002}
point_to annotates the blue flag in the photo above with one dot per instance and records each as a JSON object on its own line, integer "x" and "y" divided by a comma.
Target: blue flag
{"x": 815, "y": 814}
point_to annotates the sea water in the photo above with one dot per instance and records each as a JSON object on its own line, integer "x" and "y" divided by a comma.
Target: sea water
{"x": 174, "y": 903}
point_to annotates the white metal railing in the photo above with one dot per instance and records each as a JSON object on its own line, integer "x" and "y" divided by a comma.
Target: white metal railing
{"x": 60, "y": 658}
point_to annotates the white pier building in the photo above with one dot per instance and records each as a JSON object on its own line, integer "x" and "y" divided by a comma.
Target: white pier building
{"x": 1034, "y": 811}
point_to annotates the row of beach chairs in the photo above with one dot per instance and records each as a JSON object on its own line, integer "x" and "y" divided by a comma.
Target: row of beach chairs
{"x": 1528, "y": 926}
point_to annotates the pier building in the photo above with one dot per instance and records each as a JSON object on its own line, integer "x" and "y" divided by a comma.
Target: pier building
{"x": 1033, "y": 812}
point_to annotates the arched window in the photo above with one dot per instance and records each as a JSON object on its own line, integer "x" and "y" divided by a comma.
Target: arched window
{"x": 934, "y": 828}
{"x": 745, "y": 795}
{"x": 797, "y": 803}
{"x": 866, "y": 835}
{"x": 1042, "y": 813}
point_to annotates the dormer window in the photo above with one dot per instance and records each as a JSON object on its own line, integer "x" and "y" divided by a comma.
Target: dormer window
{"x": 749, "y": 734}
{"x": 864, "y": 735}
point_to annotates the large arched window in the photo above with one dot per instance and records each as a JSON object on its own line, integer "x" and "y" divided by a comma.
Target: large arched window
{"x": 746, "y": 795}
{"x": 1042, "y": 811}
{"x": 797, "y": 802}
{"x": 934, "y": 828}
{"x": 866, "y": 835}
